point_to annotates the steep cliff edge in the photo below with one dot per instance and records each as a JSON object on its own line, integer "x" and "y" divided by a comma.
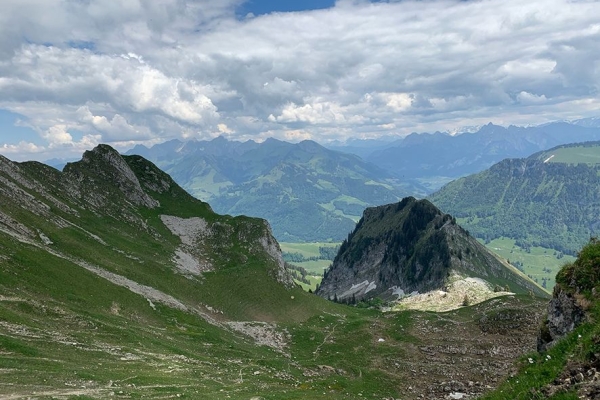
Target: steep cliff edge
{"x": 408, "y": 247}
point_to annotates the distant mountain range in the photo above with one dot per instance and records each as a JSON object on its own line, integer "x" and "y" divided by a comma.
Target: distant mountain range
{"x": 312, "y": 193}
{"x": 306, "y": 192}
{"x": 550, "y": 199}
{"x": 437, "y": 158}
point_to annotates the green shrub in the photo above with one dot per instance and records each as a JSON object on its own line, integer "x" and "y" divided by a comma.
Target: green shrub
{"x": 583, "y": 275}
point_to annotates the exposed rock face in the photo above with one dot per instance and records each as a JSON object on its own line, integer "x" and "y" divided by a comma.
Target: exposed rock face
{"x": 576, "y": 290}
{"x": 189, "y": 257}
{"x": 407, "y": 247}
{"x": 564, "y": 315}
{"x": 197, "y": 234}
{"x": 98, "y": 166}
{"x": 270, "y": 245}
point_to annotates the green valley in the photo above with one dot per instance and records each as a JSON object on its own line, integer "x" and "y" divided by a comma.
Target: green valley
{"x": 538, "y": 263}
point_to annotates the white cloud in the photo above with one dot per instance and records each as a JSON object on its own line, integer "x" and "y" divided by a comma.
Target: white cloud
{"x": 222, "y": 128}
{"x": 297, "y": 135}
{"x": 115, "y": 129}
{"x": 530, "y": 98}
{"x": 57, "y": 135}
{"x": 398, "y": 102}
{"x": 132, "y": 71}
{"x": 20, "y": 148}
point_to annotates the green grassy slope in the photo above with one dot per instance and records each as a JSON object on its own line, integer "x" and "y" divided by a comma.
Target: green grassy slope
{"x": 580, "y": 153}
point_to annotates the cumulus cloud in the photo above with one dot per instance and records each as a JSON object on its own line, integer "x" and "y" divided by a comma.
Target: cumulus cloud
{"x": 57, "y": 135}
{"x": 115, "y": 129}
{"x": 20, "y": 148}
{"x": 132, "y": 71}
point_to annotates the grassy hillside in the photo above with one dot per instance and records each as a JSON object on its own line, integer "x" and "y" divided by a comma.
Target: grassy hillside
{"x": 584, "y": 153}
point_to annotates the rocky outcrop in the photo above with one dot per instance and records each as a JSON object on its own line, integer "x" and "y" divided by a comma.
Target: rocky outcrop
{"x": 270, "y": 245}
{"x": 576, "y": 290}
{"x": 564, "y": 314}
{"x": 197, "y": 235}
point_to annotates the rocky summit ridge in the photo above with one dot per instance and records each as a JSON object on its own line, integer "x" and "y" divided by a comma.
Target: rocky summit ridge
{"x": 410, "y": 247}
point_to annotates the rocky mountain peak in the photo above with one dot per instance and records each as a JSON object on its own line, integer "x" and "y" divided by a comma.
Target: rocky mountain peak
{"x": 104, "y": 165}
{"x": 408, "y": 247}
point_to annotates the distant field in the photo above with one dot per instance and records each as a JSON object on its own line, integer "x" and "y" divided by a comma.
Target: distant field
{"x": 314, "y": 281}
{"x": 433, "y": 183}
{"x": 315, "y": 268}
{"x": 346, "y": 199}
{"x": 539, "y": 263}
{"x": 576, "y": 155}
{"x": 306, "y": 249}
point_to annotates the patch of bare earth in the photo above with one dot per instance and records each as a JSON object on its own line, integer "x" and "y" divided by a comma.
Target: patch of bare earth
{"x": 461, "y": 357}
{"x": 263, "y": 334}
{"x": 191, "y": 231}
{"x": 459, "y": 292}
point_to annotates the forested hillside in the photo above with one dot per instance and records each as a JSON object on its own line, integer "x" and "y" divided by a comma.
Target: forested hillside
{"x": 551, "y": 199}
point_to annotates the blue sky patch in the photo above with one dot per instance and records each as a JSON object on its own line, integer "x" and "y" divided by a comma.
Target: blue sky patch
{"x": 261, "y": 7}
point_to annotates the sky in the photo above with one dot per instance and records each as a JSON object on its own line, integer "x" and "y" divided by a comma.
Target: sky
{"x": 76, "y": 73}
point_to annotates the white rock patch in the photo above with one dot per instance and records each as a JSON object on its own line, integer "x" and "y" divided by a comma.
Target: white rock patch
{"x": 190, "y": 231}
{"x": 263, "y": 333}
{"x": 358, "y": 289}
{"x": 459, "y": 288}
{"x": 186, "y": 263}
